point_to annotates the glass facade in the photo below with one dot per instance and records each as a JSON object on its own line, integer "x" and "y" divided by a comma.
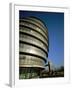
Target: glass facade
{"x": 34, "y": 33}
{"x": 33, "y": 47}
{"x": 28, "y": 73}
{"x": 34, "y": 23}
{"x": 39, "y": 22}
{"x": 27, "y": 24}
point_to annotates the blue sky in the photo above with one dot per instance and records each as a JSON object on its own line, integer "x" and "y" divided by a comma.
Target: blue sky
{"x": 55, "y": 24}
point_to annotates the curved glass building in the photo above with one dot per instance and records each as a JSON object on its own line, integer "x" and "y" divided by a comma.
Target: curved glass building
{"x": 33, "y": 47}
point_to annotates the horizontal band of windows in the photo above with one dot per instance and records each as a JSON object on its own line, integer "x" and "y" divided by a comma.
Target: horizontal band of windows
{"x": 34, "y": 42}
{"x": 32, "y": 58}
{"x": 32, "y": 49}
{"x": 36, "y": 20}
{"x": 33, "y": 33}
{"x": 34, "y": 27}
{"x": 30, "y": 54}
{"x": 39, "y": 21}
{"x": 33, "y": 52}
{"x": 34, "y": 37}
{"x": 28, "y": 29}
{"x": 34, "y": 23}
{"x": 27, "y": 37}
{"x": 34, "y": 46}
{"x": 30, "y": 61}
{"x": 30, "y": 65}
{"x": 23, "y": 36}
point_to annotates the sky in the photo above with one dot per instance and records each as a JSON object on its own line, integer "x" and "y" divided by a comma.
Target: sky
{"x": 55, "y": 24}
